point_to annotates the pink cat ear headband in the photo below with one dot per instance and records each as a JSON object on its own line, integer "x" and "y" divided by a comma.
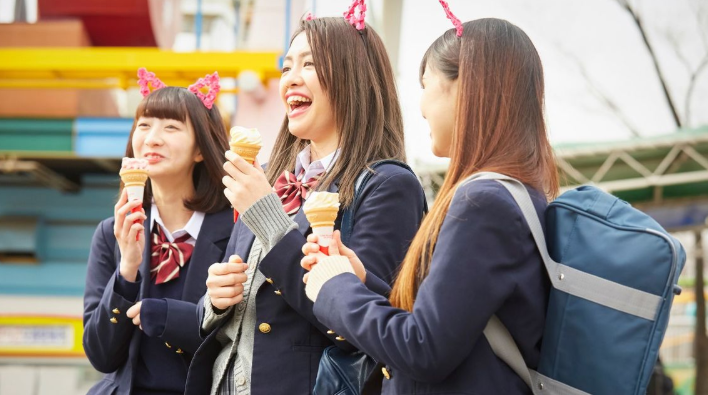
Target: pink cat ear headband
{"x": 357, "y": 19}
{"x": 351, "y": 15}
{"x": 147, "y": 80}
{"x": 455, "y": 22}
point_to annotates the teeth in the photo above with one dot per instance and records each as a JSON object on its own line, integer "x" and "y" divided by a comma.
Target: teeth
{"x": 301, "y": 99}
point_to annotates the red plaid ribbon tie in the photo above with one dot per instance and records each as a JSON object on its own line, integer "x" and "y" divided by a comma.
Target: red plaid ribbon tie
{"x": 292, "y": 191}
{"x": 168, "y": 257}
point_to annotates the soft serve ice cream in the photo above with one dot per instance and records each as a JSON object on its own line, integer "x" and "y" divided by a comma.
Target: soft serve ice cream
{"x": 321, "y": 210}
{"x": 245, "y": 142}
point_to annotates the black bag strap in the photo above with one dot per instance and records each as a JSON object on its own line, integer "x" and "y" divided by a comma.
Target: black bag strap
{"x": 348, "y": 214}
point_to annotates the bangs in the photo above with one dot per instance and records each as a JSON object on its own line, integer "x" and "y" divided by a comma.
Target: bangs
{"x": 165, "y": 103}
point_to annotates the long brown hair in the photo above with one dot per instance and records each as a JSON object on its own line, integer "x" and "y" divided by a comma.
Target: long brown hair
{"x": 355, "y": 73}
{"x": 209, "y": 134}
{"x": 499, "y": 126}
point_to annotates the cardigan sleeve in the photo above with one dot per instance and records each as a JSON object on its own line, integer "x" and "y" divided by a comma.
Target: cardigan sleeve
{"x": 474, "y": 270}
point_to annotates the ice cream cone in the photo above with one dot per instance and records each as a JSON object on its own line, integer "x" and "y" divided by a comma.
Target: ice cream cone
{"x": 247, "y": 151}
{"x": 134, "y": 181}
{"x": 321, "y": 216}
{"x": 321, "y": 209}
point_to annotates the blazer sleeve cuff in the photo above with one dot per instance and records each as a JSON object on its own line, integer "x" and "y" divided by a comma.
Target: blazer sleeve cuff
{"x": 153, "y": 315}
{"x": 211, "y": 316}
{"x": 126, "y": 289}
{"x": 324, "y": 271}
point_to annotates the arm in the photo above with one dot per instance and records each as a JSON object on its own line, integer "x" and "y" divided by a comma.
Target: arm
{"x": 474, "y": 269}
{"x": 106, "y": 343}
{"x": 173, "y": 321}
{"x": 384, "y": 224}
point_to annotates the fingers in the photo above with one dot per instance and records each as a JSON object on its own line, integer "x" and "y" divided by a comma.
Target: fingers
{"x": 340, "y": 247}
{"x": 135, "y": 232}
{"x": 128, "y": 219}
{"x": 312, "y": 238}
{"x": 235, "y": 259}
{"x": 239, "y": 163}
{"x": 334, "y": 246}
{"x": 310, "y": 248}
{"x": 308, "y": 262}
{"x": 305, "y": 277}
{"x": 215, "y": 281}
{"x": 220, "y": 269}
{"x": 134, "y": 313}
{"x": 225, "y": 292}
{"x": 134, "y": 310}
{"x": 225, "y": 303}
{"x": 121, "y": 200}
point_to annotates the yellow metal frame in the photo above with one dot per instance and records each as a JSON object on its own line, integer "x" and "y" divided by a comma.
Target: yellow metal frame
{"x": 110, "y": 67}
{"x": 75, "y": 323}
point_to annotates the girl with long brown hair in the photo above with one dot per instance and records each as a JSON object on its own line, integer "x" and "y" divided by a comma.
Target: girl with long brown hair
{"x": 341, "y": 116}
{"x": 474, "y": 255}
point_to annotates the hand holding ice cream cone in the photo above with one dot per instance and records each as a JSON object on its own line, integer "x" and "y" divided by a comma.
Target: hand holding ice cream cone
{"x": 134, "y": 174}
{"x": 321, "y": 209}
{"x": 314, "y": 256}
{"x": 246, "y": 143}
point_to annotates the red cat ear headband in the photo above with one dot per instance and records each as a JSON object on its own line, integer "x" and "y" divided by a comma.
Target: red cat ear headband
{"x": 456, "y": 22}
{"x": 147, "y": 80}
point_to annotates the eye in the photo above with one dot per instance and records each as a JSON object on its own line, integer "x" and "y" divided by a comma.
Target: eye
{"x": 309, "y": 63}
{"x": 285, "y": 70}
{"x": 143, "y": 125}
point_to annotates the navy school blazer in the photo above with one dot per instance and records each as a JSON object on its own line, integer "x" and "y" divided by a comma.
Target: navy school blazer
{"x": 112, "y": 348}
{"x": 485, "y": 262}
{"x": 286, "y": 359}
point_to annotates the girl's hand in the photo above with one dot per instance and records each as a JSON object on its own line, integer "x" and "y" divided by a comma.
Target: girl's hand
{"x": 313, "y": 256}
{"x": 130, "y": 234}
{"x": 134, "y": 314}
{"x": 225, "y": 282}
{"x": 245, "y": 183}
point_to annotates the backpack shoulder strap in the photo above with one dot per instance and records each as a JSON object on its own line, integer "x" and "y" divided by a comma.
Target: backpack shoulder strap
{"x": 497, "y": 334}
{"x": 348, "y": 215}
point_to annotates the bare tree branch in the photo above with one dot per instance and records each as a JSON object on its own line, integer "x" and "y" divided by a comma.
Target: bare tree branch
{"x": 638, "y": 22}
{"x": 599, "y": 93}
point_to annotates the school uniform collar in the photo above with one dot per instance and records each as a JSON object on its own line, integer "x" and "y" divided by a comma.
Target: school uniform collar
{"x": 313, "y": 169}
{"x": 192, "y": 227}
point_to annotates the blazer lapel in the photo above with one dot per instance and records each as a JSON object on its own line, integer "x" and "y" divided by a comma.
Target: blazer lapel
{"x": 216, "y": 227}
{"x": 147, "y": 256}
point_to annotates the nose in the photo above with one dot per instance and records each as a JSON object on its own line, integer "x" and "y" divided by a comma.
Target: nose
{"x": 153, "y": 137}
{"x": 293, "y": 77}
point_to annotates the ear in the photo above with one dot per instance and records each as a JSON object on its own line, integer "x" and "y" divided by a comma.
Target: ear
{"x": 198, "y": 158}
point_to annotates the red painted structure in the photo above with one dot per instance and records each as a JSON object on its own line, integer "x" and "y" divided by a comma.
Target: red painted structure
{"x": 120, "y": 23}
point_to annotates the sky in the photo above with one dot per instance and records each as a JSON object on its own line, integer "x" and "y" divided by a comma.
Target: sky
{"x": 596, "y": 36}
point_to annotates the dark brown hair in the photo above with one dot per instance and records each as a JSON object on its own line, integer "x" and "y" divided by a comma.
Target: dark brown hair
{"x": 210, "y": 137}
{"x": 499, "y": 126}
{"x": 355, "y": 73}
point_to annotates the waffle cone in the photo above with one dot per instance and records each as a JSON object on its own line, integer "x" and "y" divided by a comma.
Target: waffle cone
{"x": 322, "y": 216}
{"x": 247, "y": 151}
{"x": 133, "y": 177}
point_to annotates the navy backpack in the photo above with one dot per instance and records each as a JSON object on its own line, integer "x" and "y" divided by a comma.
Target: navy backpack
{"x": 614, "y": 273}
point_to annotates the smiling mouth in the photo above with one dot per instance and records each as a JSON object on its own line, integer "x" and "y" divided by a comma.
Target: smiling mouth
{"x": 298, "y": 104}
{"x": 154, "y": 158}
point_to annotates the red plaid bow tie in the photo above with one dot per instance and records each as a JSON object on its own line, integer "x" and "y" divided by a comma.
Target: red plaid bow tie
{"x": 291, "y": 190}
{"x": 168, "y": 257}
